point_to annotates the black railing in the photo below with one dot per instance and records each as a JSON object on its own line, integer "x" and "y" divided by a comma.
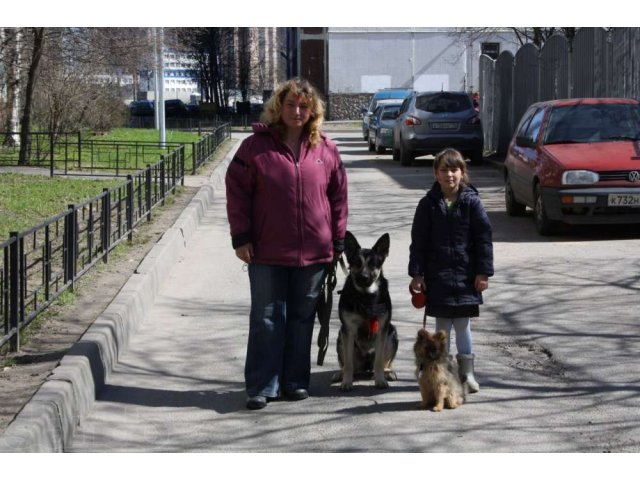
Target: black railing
{"x": 68, "y": 154}
{"x": 39, "y": 264}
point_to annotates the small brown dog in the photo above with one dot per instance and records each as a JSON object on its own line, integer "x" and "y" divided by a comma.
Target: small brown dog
{"x": 437, "y": 372}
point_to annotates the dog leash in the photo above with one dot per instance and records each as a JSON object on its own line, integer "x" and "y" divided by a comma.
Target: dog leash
{"x": 325, "y": 305}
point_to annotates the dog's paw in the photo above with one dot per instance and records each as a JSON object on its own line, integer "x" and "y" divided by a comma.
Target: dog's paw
{"x": 382, "y": 383}
{"x": 346, "y": 386}
{"x": 390, "y": 375}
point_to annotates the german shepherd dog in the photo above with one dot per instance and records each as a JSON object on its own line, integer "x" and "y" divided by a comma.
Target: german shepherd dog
{"x": 367, "y": 341}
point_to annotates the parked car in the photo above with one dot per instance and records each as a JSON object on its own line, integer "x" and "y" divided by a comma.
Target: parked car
{"x": 576, "y": 161}
{"x": 389, "y": 96}
{"x": 175, "y": 108}
{"x": 428, "y": 122}
{"x": 141, "y": 108}
{"x": 381, "y": 127}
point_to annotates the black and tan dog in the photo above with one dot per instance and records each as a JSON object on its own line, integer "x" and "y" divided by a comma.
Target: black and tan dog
{"x": 437, "y": 372}
{"x": 367, "y": 341}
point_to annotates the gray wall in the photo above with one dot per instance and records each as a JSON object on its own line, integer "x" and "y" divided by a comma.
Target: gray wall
{"x": 364, "y": 60}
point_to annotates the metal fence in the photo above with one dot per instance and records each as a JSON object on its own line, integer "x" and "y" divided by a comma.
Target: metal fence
{"x": 39, "y": 264}
{"x": 196, "y": 124}
{"x": 597, "y": 63}
{"x": 69, "y": 154}
{"x": 44, "y": 261}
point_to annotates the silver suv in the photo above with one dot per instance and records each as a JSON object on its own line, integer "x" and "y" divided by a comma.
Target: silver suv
{"x": 429, "y": 122}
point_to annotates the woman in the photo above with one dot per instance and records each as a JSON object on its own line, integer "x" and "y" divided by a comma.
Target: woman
{"x": 287, "y": 209}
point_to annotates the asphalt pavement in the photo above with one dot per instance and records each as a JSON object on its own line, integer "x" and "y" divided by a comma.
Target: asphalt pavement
{"x": 162, "y": 369}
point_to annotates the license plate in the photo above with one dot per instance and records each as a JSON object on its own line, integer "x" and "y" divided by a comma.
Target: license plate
{"x": 624, "y": 200}
{"x": 444, "y": 125}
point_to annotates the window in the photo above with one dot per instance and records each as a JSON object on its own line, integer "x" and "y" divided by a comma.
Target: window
{"x": 491, "y": 49}
{"x": 534, "y": 126}
{"x": 443, "y": 102}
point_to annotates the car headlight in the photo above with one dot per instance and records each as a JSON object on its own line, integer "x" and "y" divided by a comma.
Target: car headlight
{"x": 385, "y": 131}
{"x": 579, "y": 177}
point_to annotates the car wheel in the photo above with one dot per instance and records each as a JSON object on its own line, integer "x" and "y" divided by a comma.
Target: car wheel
{"x": 371, "y": 145}
{"x": 544, "y": 226}
{"x": 396, "y": 154}
{"x": 379, "y": 149}
{"x": 406, "y": 157}
{"x": 514, "y": 208}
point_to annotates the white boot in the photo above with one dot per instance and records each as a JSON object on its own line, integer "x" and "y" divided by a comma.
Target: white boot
{"x": 465, "y": 370}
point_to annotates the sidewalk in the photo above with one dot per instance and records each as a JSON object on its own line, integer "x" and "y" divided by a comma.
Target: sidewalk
{"x": 49, "y": 420}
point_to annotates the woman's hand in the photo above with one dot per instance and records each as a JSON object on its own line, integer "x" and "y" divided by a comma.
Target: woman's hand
{"x": 481, "y": 283}
{"x": 245, "y": 252}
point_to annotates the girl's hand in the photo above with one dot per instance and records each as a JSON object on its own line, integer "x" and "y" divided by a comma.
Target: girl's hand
{"x": 245, "y": 252}
{"x": 481, "y": 283}
{"x": 418, "y": 284}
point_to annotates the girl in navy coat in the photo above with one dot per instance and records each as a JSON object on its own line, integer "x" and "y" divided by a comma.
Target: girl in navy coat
{"x": 451, "y": 254}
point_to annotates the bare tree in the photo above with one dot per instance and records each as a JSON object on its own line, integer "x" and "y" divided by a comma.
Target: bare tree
{"x": 212, "y": 49}
{"x": 536, "y": 35}
{"x": 10, "y": 54}
{"x": 37, "y": 44}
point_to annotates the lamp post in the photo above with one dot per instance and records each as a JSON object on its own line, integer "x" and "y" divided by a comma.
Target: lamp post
{"x": 158, "y": 42}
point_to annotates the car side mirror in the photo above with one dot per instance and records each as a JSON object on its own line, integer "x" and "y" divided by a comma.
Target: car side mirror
{"x": 363, "y": 111}
{"x": 525, "y": 142}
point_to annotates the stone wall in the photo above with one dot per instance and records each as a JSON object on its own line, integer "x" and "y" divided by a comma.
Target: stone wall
{"x": 345, "y": 106}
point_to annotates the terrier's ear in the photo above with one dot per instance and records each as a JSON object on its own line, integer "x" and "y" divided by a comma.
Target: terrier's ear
{"x": 441, "y": 336}
{"x": 422, "y": 334}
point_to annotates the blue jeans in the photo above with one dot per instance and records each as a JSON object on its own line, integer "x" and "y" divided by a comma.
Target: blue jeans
{"x": 283, "y": 309}
{"x": 462, "y": 327}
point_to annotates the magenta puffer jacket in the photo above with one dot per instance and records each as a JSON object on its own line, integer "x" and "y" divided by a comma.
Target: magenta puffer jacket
{"x": 293, "y": 212}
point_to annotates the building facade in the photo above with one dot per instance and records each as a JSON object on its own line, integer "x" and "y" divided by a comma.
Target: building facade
{"x": 361, "y": 61}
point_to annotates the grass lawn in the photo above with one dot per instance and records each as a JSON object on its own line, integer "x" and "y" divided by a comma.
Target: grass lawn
{"x": 28, "y": 200}
{"x": 145, "y": 135}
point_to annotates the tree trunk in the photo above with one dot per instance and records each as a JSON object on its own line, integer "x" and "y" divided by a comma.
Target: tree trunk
{"x": 12, "y": 40}
{"x": 25, "y": 122}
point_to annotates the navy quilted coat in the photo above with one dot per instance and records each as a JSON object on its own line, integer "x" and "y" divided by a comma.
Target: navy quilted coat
{"x": 450, "y": 248}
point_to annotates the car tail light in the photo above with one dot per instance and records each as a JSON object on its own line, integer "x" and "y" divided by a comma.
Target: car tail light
{"x": 475, "y": 120}
{"x": 412, "y": 121}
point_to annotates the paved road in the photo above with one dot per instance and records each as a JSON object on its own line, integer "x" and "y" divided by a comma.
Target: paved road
{"x": 557, "y": 345}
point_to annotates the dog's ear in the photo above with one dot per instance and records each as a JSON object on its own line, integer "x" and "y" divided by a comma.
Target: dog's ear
{"x": 422, "y": 334}
{"x": 351, "y": 245}
{"x": 441, "y": 336}
{"x": 382, "y": 246}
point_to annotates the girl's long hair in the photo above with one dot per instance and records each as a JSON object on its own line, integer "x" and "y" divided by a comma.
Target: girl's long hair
{"x": 272, "y": 111}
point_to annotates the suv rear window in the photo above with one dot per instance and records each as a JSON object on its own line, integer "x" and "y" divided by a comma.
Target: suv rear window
{"x": 443, "y": 102}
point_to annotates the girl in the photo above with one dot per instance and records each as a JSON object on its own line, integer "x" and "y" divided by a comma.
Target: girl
{"x": 451, "y": 255}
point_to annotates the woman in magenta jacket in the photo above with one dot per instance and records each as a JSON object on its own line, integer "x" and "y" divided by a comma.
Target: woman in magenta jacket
{"x": 287, "y": 209}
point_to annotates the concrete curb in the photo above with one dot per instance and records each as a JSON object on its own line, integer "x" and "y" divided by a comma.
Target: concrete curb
{"x": 48, "y": 421}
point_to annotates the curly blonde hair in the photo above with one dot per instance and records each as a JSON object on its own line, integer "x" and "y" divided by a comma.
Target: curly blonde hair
{"x": 272, "y": 111}
{"x": 452, "y": 158}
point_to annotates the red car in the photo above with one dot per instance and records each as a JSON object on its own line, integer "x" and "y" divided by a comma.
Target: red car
{"x": 576, "y": 161}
